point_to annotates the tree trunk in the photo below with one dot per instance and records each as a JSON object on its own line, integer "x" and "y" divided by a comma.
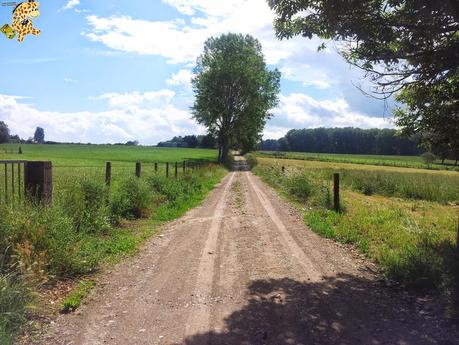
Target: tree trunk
{"x": 225, "y": 150}
{"x": 219, "y": 153}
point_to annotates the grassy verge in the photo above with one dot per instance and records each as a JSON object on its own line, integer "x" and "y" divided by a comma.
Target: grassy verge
{"x": 74, "y": 299}
{"x": 413, "y": 241}
{"x": 86, "y": 226}
{"x": 378, "y": 160}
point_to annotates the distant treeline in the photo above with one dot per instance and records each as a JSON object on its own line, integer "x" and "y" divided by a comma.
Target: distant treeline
{"x": 191, "y": 141}
{"x": 345, "y": 140}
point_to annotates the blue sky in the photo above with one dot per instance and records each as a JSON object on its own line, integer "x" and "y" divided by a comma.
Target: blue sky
{"x": 115, "y": 71}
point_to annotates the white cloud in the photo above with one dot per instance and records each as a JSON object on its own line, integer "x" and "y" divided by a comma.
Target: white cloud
{"x": 136, "y": 99}
{"x": 71, "y": 4}
{"x": 148, "y": 117}
{"x": 70, "y": 80}
{"x": 182, "y": 79}
{"x": 180, "y": 42}
{"x": 299, "y": 110}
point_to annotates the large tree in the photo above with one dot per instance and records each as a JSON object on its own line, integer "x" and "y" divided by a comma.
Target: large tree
{"x": 407, "y": 47}
{"x": 234, "y": 91}
{"x": 4, "y": 133}
{"x": 39, "y": 136}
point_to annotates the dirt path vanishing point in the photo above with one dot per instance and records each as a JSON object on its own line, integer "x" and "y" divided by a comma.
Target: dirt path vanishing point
{"x": 243, "y": 269}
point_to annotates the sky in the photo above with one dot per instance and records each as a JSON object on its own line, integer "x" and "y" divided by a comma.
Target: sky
{"x": 113, "y": 71}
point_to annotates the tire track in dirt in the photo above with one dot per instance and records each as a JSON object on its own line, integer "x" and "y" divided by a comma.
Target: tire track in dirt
{"x": 288, "y": 241}
{"x": 199, "y": 319}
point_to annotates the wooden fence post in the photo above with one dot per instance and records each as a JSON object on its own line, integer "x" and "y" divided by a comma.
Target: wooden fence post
{"x": 184, "y": 167}
{"x": 176, "y": 169}
{"x": 457, "y": 239}
{"x": 156, "y": 167}
{"x": 108, "y": 173}
{"x": 138, "y": 169}
{"x": 38, "y": 181}
{"x": 6, "y": 182}
{"x": 283, "y": 170}
{"x": 167, "y": 169}
{"x": 336, "y": 192}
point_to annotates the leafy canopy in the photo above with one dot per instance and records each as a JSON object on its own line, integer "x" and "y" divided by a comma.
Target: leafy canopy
{"x": 407, "y": 47}
{"x": 234, "y": 90}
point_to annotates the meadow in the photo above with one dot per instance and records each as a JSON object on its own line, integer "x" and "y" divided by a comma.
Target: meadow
{"x": 89, "y": 160}
{"x": 404, "y": 219}
{"x": 378, "y": 160}
{"x": 89, "y": 223}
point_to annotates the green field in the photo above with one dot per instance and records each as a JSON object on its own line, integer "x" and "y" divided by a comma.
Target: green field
{"x": 89, "y": 161}
{"x": 404, "y": 219}
{"x": 96, "y": 155}
{"x": 379, "y": 160}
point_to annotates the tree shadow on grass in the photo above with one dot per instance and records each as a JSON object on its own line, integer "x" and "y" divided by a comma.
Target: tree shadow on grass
{"x": 340, "y": 310}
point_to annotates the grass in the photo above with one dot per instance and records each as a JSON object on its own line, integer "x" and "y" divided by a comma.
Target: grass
{"x": 96, "y": 155}
{"x": 379, "y": 160}
{"x": 14, "y": 298}
{"x": 411, "y": 237}
{"x": 74, "y": 300}
{"x": 406, "y": 183}
{"x": 88, "y": 161}
{"x": 90, "y": 224}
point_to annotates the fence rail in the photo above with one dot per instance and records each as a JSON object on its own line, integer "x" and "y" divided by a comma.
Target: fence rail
{"x": 12, "y": 181}
{"x": 21, "y": 179}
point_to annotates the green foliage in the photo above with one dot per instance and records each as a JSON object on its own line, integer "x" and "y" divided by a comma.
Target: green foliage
{"x": 229, "y": 163}
{"x": 73, "y": 301}
{"x": 251, "y": 160}
{"x": 428, "y": 158}
{"x": 299, "y": 187}
{"x": 405, "y": 47}
{"x": 4, "y": 133}
{"x": 85, "y": 203}
{"x": 14, "y": 298}
{"x": 234, "y": 90}
{"x": 438, "y": 123}
{"x": 39, "y": 136}
{"x": 131, "y": 198}
{"x": 347, "y": 140}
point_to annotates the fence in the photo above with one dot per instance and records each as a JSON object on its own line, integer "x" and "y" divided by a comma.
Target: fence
{"x": 12, "y": 181}
{"x": 337, "y": 205}
{"x": 21, "y": 180}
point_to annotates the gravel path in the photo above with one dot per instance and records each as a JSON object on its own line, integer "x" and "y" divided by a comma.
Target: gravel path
{"x": 243, "y": 269}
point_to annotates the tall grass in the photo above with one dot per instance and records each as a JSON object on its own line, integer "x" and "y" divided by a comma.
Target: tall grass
{"x": 406, "y": 185}
{"x": 14, "y": 297}
{"x": 378, "y": 160}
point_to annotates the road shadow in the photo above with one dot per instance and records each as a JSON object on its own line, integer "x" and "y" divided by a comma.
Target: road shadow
{"x": 339, "y": 310}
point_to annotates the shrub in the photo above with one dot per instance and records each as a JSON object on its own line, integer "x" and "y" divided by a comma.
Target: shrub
{"x": 251, "y": 160}
{"x": 86, "y": 204}
{"x": 229, "y": 164}
{"x": 130, "y": 199}
{"x": 428, "y": 158}
{"x": 299, "y": 186}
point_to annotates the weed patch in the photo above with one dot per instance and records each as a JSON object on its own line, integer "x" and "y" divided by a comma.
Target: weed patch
{"x": 74, "y": 300}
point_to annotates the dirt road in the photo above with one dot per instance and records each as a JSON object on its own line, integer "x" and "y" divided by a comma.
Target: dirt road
{"x": 243, "y": 269}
